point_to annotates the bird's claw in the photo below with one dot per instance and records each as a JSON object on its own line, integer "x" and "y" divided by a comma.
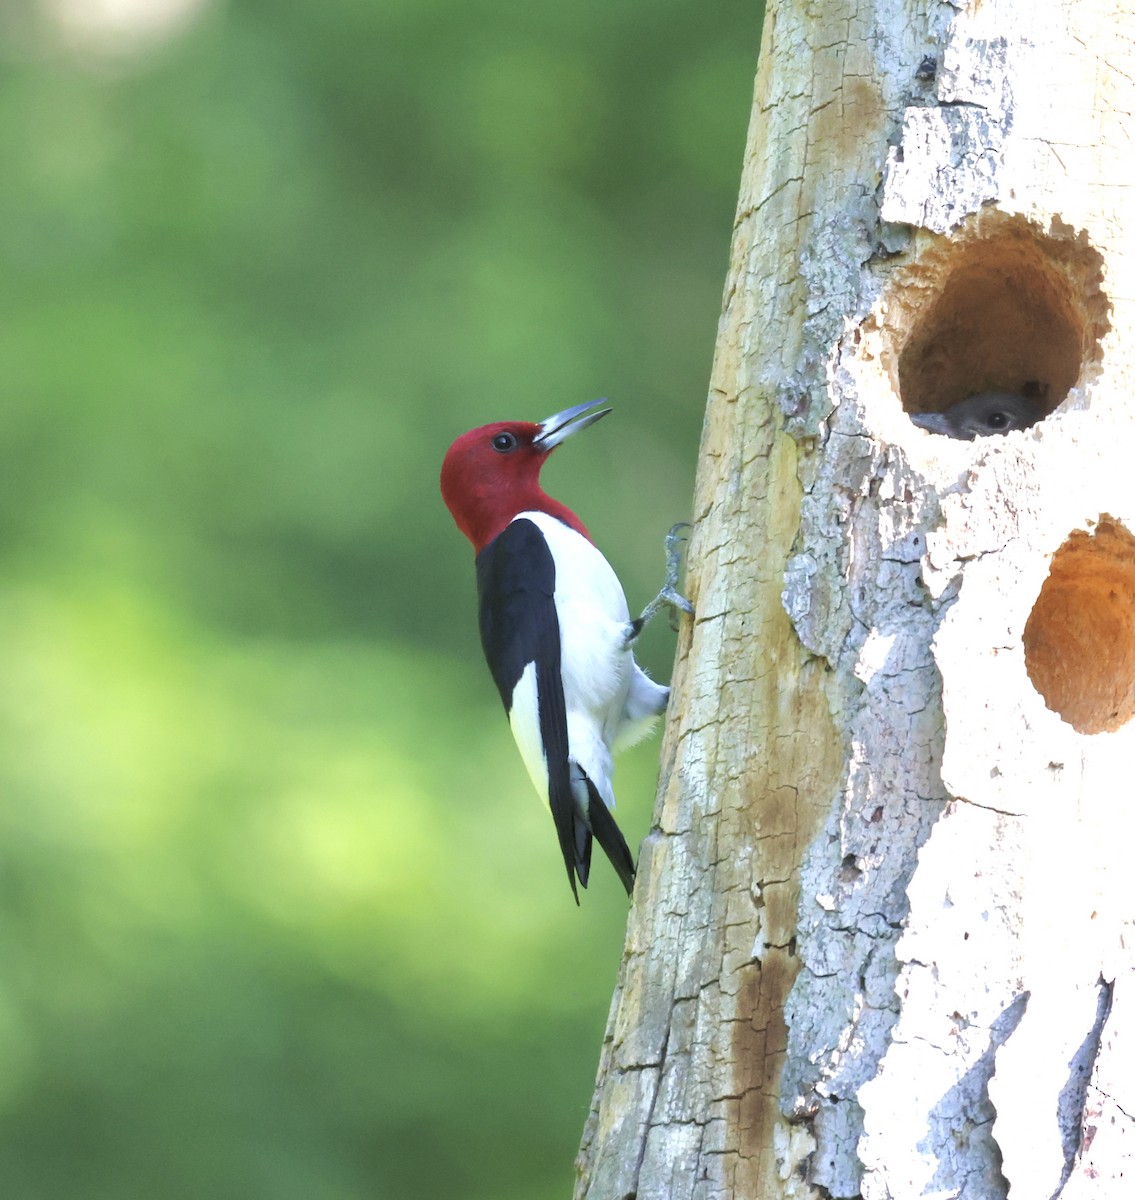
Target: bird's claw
{"x": 675, "y": 538}
{"x": 675, "y": 599}
{"x": 675, "y": 543}
{"x": 669, "y": 596}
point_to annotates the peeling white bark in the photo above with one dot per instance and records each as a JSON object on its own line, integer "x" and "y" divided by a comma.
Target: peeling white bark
{"x": 881, "y": 942}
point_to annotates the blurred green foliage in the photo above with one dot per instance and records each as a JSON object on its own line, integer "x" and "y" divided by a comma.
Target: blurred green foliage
{"x": 279, "y": 915}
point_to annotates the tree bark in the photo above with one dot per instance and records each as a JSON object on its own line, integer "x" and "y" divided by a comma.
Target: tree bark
{"x": 880, "y": 943}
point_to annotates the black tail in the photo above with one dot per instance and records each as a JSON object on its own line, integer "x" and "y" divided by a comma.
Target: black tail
{"x": 608, "y": 835}
{"x": 574, "y": 828}
{"x": 574, "y": 836}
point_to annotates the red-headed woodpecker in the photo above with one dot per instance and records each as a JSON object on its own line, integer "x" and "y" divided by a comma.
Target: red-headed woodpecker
{"x": 555, "y": 628}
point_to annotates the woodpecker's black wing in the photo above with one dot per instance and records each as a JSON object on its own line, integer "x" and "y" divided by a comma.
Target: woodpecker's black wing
{"x": 608, "y": 834}
{"x": 516, "y": 586}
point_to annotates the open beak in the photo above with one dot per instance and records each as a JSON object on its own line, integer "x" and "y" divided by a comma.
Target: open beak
{"x": 560, "y": 427}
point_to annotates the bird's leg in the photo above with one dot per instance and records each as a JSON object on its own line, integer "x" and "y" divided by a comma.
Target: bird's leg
{"x": 669, "y": 596}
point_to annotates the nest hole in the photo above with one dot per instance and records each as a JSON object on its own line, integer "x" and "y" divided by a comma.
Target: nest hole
{"x": 1004, "y": 308}
{"x": 1079, "y": 639}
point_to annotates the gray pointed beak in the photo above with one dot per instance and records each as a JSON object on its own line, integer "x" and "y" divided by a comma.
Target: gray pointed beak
{"x": 932, "y": 422}
{"x": 560, "y": 427}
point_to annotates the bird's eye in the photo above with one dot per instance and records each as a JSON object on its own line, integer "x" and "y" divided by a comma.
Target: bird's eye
{"x": 998, "y": 420}
{"x": 504, "y": 442}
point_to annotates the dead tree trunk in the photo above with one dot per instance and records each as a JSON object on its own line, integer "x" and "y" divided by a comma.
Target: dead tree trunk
{"x": 880, "y": 943}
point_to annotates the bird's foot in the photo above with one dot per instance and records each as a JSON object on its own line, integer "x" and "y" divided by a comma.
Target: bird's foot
{"x": 669, "y": 596}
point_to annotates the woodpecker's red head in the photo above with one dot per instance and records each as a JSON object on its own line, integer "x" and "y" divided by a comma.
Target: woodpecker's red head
{"x": 492, "y": 473}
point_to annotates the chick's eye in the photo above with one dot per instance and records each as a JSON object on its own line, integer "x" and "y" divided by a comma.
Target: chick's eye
{"x": 998, "y": 420}
{"x": 504, "y": 442}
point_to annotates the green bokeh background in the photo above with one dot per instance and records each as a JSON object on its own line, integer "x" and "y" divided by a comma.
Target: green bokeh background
{"x": 279, "y": 915}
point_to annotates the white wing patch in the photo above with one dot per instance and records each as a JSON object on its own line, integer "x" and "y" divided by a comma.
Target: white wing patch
{"x": 524, "y": 718}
